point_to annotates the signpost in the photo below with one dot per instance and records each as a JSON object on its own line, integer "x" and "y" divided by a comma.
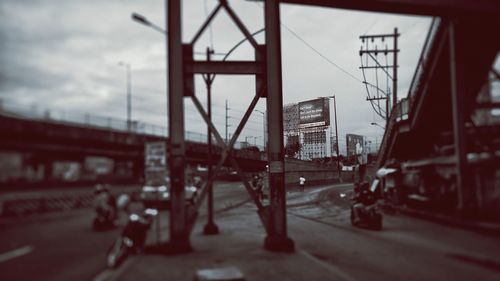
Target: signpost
{"x": 155, "y": 171}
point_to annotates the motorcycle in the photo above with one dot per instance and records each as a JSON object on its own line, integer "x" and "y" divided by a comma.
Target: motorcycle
{"x": 105, "y": 208}
{"x": 132, "y": 238}
{"x": 104, "y": 219}
{"x": 364, "y": 210}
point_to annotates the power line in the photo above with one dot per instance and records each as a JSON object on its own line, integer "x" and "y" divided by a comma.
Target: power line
{"x": 320, "y": 54}
{"x": 315, "y": 50}
{"x": 371, "y": 26}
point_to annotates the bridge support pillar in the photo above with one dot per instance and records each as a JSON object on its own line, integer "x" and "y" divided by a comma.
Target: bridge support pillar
{"x": 277, "y": 238}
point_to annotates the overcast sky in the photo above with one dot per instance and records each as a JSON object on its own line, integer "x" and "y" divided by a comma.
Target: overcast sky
{"x": 63, "y": 55}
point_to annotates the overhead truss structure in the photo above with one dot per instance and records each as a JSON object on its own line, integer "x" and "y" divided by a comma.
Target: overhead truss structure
{"x": 267, "y": 69}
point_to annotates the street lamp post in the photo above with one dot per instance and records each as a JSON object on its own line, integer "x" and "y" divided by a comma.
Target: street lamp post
{"x": 263, "y": 127}
{"x": 129, "y": 95}
{"x": 336, "y": 132}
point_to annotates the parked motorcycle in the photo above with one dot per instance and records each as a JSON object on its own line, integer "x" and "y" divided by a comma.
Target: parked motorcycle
{"x": 364, "y": 210}
{"x": 132, "y": 238}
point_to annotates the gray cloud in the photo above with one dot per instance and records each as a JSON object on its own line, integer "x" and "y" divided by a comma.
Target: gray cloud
{"x": 64, "y": 55}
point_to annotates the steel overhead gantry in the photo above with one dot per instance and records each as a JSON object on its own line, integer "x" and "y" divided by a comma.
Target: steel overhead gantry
{"x": 267, "y": 69}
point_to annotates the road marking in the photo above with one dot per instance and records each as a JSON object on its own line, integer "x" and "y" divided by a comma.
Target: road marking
{"x": 330, "y": 267}
{"x": 15, "y": 253}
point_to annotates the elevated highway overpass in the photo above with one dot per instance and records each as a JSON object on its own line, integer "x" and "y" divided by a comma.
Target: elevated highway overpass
{"x": 443, "y": 135}
{"x": 48, "y": 141}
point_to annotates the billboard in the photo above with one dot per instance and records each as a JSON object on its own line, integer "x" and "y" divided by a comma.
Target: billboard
{"x": 355, "y": 145}
{"x": 314, "y": 113}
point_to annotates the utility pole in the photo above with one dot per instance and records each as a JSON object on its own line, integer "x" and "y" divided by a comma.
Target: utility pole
{"x": 227, "y": 117}
{"x": 129, "y": 94}
{"x": 372, "y": 53}
{"x": 395, "y": 70}
{"x": 263, "y": 127}
{"x": 336, "y": 134}
{"x": 210, "y": 228}
{"x": 336, "y": 130}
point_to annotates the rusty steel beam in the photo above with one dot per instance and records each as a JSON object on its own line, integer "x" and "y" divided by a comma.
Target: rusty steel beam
{"x": 228, "y": 148}
{"x": 224, "y": 67}
{"x": 458, "y": 88}
{"x": 411, "y": 7}
{"x": 224, "y": 156}
{"x": 205, "y": 24}
{"x": 277, "y": 238}
{"x": 238, "y": 23}
{"x": 179, "y": 234}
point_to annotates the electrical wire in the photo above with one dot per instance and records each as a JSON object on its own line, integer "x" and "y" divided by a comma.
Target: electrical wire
{"x": 320, "y": 54}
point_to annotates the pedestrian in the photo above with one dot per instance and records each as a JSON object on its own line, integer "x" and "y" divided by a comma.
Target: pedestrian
{"x": 302, "y": 182}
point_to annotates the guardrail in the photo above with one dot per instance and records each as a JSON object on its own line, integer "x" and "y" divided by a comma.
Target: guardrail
{"x": 29, "y": 203}
{"x": 424, "y": 55}
{"x": 36, "y": 112}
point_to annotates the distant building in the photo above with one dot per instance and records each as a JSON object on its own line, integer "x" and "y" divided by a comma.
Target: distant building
{"x": 291, "y": 119}
{"x": 314, "y": 144}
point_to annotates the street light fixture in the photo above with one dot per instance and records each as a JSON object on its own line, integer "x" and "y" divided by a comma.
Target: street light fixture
{"x": 129, "y": 95}
{"x": 143, "y": 20}
{"x": 376, "y": 124}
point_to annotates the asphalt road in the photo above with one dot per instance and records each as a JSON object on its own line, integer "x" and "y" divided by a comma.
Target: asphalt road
{"x": 406, "y": 249}
{"x": 63, "y": 246}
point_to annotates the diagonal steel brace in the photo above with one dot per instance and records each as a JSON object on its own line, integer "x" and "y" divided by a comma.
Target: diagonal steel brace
{"x": 238, "y": 23}
{"x": 224, "y": 155}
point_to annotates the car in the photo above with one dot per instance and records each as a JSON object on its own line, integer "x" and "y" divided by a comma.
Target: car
{"x": 158, "y": 197}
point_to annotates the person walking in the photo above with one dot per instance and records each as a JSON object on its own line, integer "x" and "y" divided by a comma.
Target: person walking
{"x": 302, "y": 182}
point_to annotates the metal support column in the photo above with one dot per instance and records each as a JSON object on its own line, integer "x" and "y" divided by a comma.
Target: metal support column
{"x": 210, "y": 228}
{"x": 458, "y": 89}
{"x": 336, "y": 136}
{"x": 129, "y": 99}
{"x": 179, "y": 234}
{"x": 277, "y": 239}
